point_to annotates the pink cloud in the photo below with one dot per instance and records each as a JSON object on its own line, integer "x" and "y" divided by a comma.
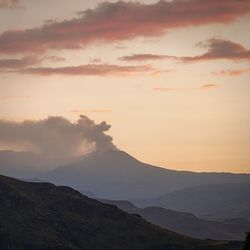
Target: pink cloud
{"x": 111, "y": 22}
{"x": 143, "y": 57}
{"x": 219, "y": 49}
{"x": 208, "y": 86}
{"x": 9, "y": 64}
{"x": 90, "y": 69}
{"x": 216, "y": 49}
{"x": 9, "y": 3}
{"x": 202, "y": 87}
{"x": 233, "y": 72}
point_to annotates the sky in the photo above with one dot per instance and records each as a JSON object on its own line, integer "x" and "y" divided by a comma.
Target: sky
{"x": 165, "y": 81}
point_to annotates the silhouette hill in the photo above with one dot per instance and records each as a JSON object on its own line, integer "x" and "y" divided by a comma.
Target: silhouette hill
{"x": 45, "y": 216}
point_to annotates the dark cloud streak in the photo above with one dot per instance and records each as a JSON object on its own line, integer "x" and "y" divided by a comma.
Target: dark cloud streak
{"x": 90, "y": 70}
{"x": 143, "y": 57}
{"x": 24, "y": 62}
{"x": 219, "y": 49}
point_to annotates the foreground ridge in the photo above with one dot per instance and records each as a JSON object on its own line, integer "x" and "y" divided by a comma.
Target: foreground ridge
{"x": 44, "y": 216}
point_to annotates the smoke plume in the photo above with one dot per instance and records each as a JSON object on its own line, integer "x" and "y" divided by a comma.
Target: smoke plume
{"x": 56, "y": 136}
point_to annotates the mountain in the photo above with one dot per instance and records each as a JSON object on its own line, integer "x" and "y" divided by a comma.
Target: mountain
{"x": 123, "y": 205}
{"x": 44, "y": 216}
{"x": 117, "y": 175}
{"x": 186, "y": 223}
{"x": 20, "y": 164}
{"x": 27, "y": 164}
{"x": 217, "y": 202}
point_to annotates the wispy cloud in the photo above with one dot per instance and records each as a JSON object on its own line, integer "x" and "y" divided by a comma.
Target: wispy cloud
{"x": 9, "y": 4}
{"x": 209, "y": 86}
{"x": 82, "y": 111}
{"x": 91, "y": 70}
{"x": 201, "y": 87}
{"x": 232, "y": 72}
{"x": 14, "y": 98}
{"x": 216, "y": 49}
{"x": 219, "y": 49}
{"x": 15, "y": 65}
{"x": 54, "y": 58}
{"x": 143, "y": 57}
{"x": 111, "y": 22}
{"x": 8, "y": 64}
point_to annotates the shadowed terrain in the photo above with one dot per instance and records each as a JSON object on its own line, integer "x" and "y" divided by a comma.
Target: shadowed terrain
{"x": 45, "y": 216}
{"x": 214, "y": 202}
{"x": 187, "y": 223}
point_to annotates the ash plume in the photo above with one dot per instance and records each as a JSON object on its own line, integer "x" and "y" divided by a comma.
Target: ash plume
{"x": 57, "y": 136}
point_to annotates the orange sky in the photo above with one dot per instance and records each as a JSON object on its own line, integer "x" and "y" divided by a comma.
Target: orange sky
{"x": 171, "y": 77}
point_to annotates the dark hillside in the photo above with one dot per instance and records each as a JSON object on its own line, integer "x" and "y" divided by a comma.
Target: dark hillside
{"x": 36, "y": 216}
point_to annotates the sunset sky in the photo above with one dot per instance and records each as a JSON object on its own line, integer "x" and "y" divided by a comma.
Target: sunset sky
{"x": 172, "y": 78}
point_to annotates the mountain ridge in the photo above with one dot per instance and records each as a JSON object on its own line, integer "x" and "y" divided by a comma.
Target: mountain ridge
{"x": 215, "y": 202}
{"x": 187, "y": 223}
{"x": 117, "y": 175}
{"x": 44, "y": 216}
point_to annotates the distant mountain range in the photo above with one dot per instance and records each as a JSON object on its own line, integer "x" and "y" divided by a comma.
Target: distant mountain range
{"x": 28, "y": 164}
{"x": 20, "y": 164}
{"x": 43, "y": 216}
{"x": 187, "y": 223}
{"x": 117, "y": 175}
{"x": 216, "y": 202}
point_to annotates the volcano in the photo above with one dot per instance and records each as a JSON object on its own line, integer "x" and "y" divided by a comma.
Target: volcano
{"x": 117, "y": 175}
